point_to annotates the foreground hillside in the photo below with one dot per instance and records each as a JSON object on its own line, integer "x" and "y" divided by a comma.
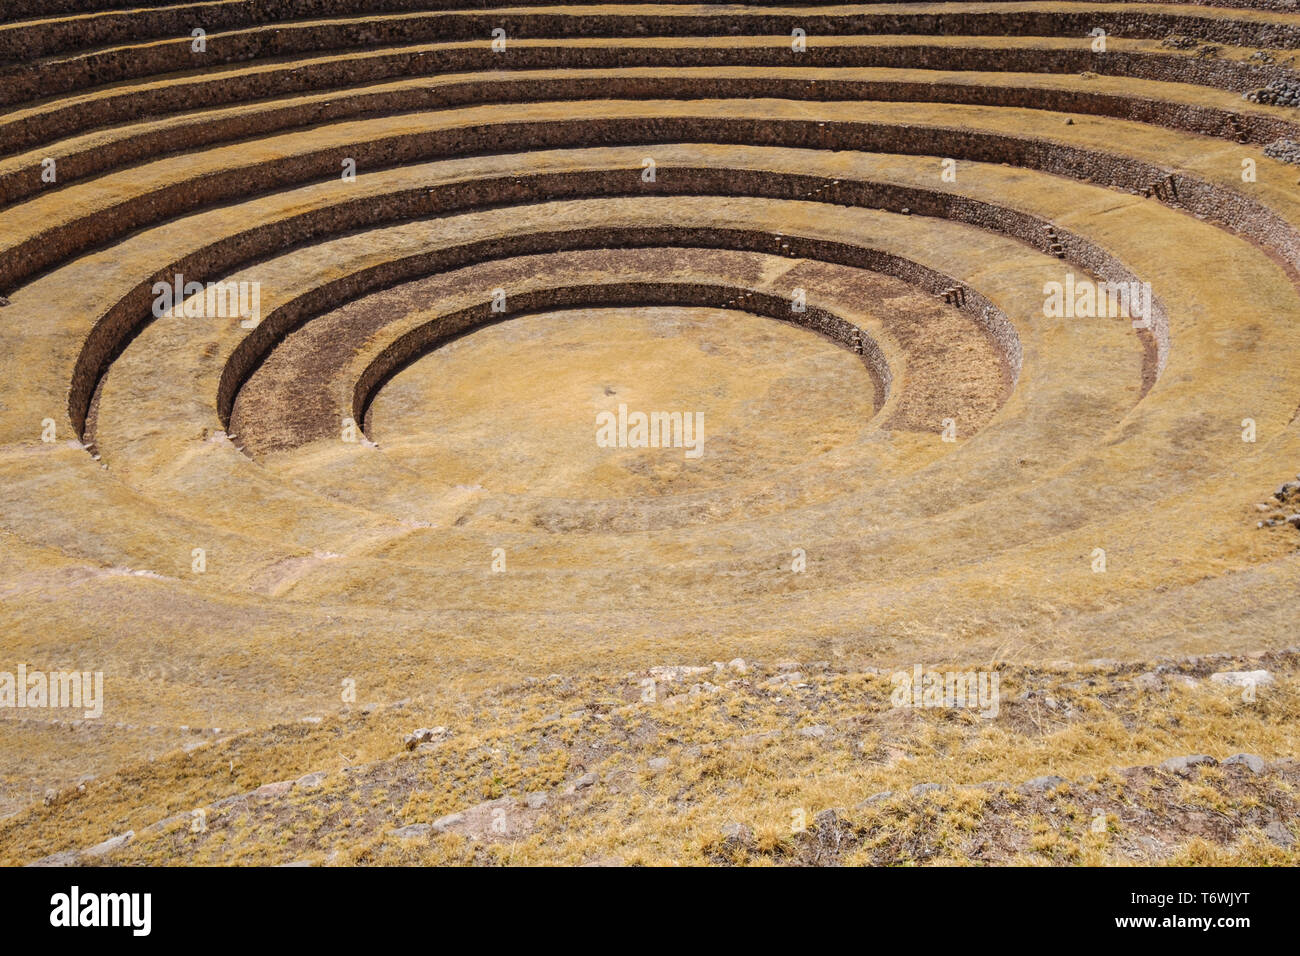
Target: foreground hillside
{"x": 740, "y": 762}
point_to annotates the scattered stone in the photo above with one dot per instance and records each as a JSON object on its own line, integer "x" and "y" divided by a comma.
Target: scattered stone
{"x": 62, "y": 858}
{"x": 1279, "y": 834}
{"x": 828, "y": 819}
{"x": 876, "y": 798}
{"x": 1148, "y": 681}
{"x": 1251, "y": 761}
{"x": 444, "y": 823}
{"x": 413, "y": 830}
{"x": 535, "y": 801}
{"x": 1242, "y": 678}
{"x": 425, "y": 735}
{"x": 1185, "y": 764}
{"x": 673, "y": 674}
{"x": 738, "y": 665}
{"x": 111, "y": 844}
{"x": 274, "y": 790}
{"x": 505, "y": 818}
{"x": 784, "y": 680}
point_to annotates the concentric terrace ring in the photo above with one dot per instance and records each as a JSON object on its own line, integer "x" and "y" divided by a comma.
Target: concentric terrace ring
{"x": 918, "y": 177}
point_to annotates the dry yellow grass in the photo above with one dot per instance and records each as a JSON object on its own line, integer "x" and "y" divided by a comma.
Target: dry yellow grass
{"x": 764, "y": 750}
{"x": 1099, "y": 498}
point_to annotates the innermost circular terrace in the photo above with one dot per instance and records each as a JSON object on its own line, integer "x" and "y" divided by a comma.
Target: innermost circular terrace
{"x": 623, "y": 402}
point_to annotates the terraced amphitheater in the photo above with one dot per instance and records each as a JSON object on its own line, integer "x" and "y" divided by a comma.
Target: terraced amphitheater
{"x": 968, "y": 339}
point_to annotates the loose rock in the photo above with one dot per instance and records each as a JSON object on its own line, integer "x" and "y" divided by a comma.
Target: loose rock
{"x": 413, "y": 830}
{"x": 1242, "y": 678}
{"x": 817, "y": 731}
{"x": 444, "y": 823}
{"x": 1043, "y": 783}
{"x": 111, "y": 844}
{"x": 1148, "y": 681}
{"x": 1251, "y": 761}
{"x": 425, "y": 735}
{"x": 923, "y": 788}
{"x": 877, "y": 798}
{"x": 273, "y": 790}
{"x": 1279, "y": 834}
{"x": 678, "y": 673}
{"x": 1185, "y": 764}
